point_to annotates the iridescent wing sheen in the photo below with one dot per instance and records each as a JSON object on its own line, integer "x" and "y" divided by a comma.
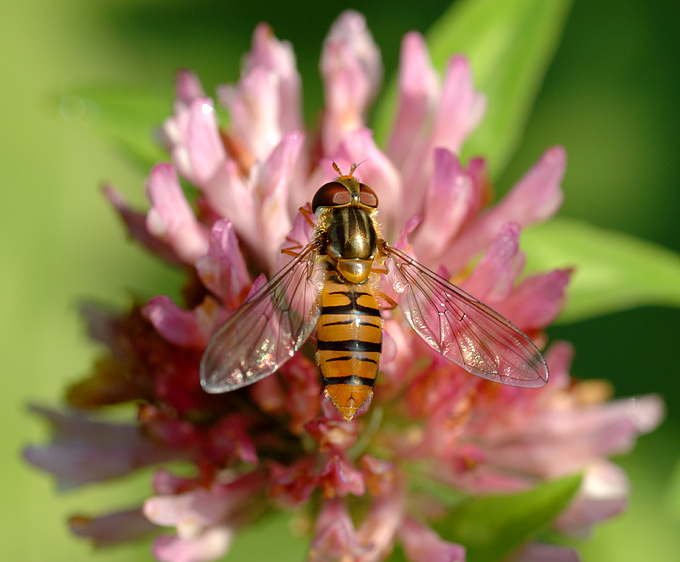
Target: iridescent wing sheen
{"x": 462, "y": 329}
{"x": 267, "y": 329}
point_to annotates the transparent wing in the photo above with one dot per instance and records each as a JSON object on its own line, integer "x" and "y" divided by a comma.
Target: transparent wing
{"x": 267, "y": 329}
{"x": 463, "y": 329}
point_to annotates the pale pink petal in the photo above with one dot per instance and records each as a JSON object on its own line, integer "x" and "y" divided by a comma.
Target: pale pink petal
{"x": 166, "y": 483}
{"x": 422, "y": 544}
{"x": 535, "y": 552}
{"x": 136, "y": 226}
{"x": 559, "y": 358}
{"x": 460, "y": 110}
{"x": 537, "y": 301}
{"x": 255, "y": 109}
{"x": 603, "y": 495}
{"x": 334, "y": 535}
{"x": 171, "y": 218}
{"x": 223, "y": 270}
{"x": 85, "y": 451}
{"x": 560, "y": 442}
{"x": 201, "y": 508}
{"x": 536, "y": 197}
{"x": 493, "y": 278}
{"x": 304, "y": 390}
{"x": 299, "y": 236}
{"x": 278, "y": 57}
{"x": 195, "y": 142}
{"x": 352, "y": 72}
{"x": 378, "y": 530}
{"x": 209, "y": 545}
{"x": 271, "y": 185}
{"x": 188, "y": 88}
{"x": 448, "y": 200}
{"x": 230, "y": 196}
{"x": 112, "y": 528}
{"x": 418, "y": 93}
{"x": 339, "y": 478}
{"x": 184, "y": 328}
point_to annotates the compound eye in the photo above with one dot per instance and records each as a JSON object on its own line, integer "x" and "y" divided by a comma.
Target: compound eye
{"x": 332, "y": 194}
{"x": 367, "y": 196}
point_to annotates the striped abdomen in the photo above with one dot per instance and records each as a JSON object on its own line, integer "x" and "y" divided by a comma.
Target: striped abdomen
{"x": 349, "y": 343}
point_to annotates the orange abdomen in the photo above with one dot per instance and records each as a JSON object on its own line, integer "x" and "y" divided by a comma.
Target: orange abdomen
{"x": 349, "y": 343}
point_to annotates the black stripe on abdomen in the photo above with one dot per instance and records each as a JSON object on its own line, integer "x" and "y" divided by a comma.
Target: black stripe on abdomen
{"x": 349, "y": 345}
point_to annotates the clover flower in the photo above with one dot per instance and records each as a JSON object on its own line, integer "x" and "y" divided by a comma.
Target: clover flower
{"x": 432, "y": 430}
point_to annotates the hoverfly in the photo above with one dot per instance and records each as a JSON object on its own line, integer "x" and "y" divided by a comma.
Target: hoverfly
{"x": 330, "y": 286}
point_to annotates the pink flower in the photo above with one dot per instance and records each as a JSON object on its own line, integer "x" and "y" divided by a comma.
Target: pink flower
{"x": 278, "y": 444}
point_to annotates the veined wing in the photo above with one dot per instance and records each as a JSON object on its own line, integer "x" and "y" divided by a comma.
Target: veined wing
{"x": 267, "y": 329}
{"x": 463, "y": 329}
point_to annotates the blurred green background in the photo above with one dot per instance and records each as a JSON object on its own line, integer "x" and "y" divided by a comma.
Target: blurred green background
{"x": 610, "y": 97}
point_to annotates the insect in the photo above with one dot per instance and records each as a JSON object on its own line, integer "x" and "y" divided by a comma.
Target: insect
{"x": 330, "y": 286}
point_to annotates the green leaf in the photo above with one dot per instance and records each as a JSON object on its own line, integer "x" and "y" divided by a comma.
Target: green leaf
{"x": 613, "y": 271}
{"x": 129, "y": 117}
{"x": 509, "y": 44}
{"x": 491, "y": 527}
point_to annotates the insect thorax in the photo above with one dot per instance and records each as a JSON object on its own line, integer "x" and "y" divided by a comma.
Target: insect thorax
{"x": 350, "y": 242}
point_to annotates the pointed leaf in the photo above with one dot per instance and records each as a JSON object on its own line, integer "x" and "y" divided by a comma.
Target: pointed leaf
{"x": 509, "y": 44}
{"x": 491, "y": 527}
{"x": 613, "y": 271}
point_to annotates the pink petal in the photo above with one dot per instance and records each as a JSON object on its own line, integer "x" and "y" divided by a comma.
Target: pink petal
{"x": 537, "y": 301}
{"x": 188, "y": 88}
{"x": 560, "y": 442}
{"x": 448, "y": 201}
{"x": 271, "y": 182}
{"x": 301, "y": 377}
{"x": 460, "y": 108}
{"x": 184, "y": 328}
{"x": 603, "y": 494}
{"x": 278, "y": 57}
{"x": 294, "y": 484}
{"x": 559, "y": 358}
{"x": 299, "y": 236}
{"x": 84, "y": 451}
{"x": 195, "y": 143}
{"x": 223, "y": 270}
{"x": 229, "y": 440}
{"x": 171, "y": 218}
{"x": 230, "y": 196}
{"x": 254, "y": 106}
{"x": 334, "y": 534}
{"x": 165, "y": 482}
{"x": 459, "y": 111}
{"x": 493, "y": 278}
{"x": 201, "y": 508}
{"x": 352, "y": 72}
{"x": 422, "y": 544}
{"x": 418, "y": 92}
{"x": 136, "y": 226}
{"x": 378, "y": 530}
{"x": 209, "y": 545}
{"x": 112, "y": 528}
{"x": 536, "y": 197}
{"x": 339, "y": 478}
